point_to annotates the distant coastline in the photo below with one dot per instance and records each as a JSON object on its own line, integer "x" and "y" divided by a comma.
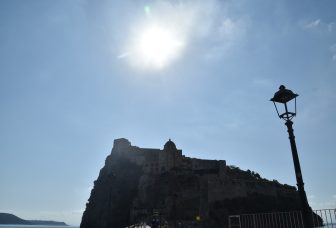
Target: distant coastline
{"x": 10, "y": 219}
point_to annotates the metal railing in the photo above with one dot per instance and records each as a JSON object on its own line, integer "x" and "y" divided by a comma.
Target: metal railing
{"x": 328, "y": 217}
{"x": 292, "y": 219}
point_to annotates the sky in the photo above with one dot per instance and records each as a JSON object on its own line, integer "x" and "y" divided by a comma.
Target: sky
{"x": 77, "y": 74}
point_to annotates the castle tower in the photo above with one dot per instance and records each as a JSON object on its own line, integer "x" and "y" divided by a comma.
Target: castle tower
{"x": 121, "y": 145}
{"x": 173, "y": 155}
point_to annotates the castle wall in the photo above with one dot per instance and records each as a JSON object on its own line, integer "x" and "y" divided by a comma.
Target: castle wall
{"x": 201, "y": 164}
{"x": 151, "y": 160}
{"x": 158, "y": 161}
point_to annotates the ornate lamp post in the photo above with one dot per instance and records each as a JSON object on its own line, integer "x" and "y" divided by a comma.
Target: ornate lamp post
{"x": 283, "y": 96}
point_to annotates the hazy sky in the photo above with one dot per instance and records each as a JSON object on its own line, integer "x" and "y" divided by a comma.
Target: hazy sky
{"x": 76, "y": 74}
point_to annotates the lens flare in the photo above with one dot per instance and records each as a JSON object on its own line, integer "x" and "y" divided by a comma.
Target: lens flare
{"x": 147, "y": 10}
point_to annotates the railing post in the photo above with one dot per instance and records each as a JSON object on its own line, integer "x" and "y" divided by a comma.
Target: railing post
{"x": 254, "y": 222}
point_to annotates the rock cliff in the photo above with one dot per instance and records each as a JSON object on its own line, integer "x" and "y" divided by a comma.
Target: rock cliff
{"x": 137, "y": 182}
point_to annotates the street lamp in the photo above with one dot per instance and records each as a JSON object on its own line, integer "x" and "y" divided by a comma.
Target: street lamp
{"x": 283, "y": 96}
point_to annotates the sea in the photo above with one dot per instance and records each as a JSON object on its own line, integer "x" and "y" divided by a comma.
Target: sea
{"x": 43, "y": 226}
{"x": 35, "y": 226}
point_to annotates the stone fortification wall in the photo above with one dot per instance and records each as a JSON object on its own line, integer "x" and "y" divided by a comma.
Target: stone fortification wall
{"x": 151, "y": 160}
{"x": 219, "y": 166}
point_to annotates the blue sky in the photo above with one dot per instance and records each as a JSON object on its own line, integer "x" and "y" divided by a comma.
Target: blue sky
{"x": 72, "y": 79}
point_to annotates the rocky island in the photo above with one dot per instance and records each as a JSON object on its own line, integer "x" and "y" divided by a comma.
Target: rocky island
{"x": 136, "y": 183}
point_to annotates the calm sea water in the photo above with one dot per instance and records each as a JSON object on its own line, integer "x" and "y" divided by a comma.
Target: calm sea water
{"x": 35, "y": 226}
{"x": 41, "y": 226}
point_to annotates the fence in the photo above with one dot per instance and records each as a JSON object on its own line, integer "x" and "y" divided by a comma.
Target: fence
{"x": 293, "y": 219}
{"x": 328, "y": 216}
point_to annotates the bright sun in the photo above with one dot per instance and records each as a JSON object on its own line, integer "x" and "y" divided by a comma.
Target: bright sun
{"x": 157, "y": 46}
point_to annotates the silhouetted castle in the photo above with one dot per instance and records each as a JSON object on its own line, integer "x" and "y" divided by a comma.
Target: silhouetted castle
{"x": 158, "y": 161}
{"x": 136, "y": 182}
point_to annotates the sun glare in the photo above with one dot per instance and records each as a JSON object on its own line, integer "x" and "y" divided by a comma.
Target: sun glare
{"x": 157, "y": 47}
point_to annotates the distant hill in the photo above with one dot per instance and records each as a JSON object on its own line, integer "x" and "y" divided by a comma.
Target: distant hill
{"x": 6, "y": 218}
{"x": 49, "y": 223}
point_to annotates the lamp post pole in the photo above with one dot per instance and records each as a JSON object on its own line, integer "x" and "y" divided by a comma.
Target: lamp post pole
{"x": 306, "y": 210}
{"x": 283, "y": 96}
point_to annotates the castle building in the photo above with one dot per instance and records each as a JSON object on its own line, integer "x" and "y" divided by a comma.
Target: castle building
{"x": 158, "y": 161}
{"x": 135, "y": 182}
